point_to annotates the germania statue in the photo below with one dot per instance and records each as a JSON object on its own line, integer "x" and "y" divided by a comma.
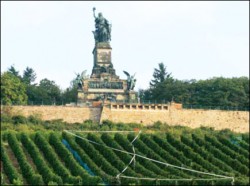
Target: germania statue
{"x": 102, "y": 31}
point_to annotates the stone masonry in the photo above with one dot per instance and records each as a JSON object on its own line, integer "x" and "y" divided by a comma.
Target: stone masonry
{"x": 237, "y": 121}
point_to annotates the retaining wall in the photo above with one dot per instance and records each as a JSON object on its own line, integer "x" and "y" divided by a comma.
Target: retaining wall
{"x": 237, "y": 121}
{"x": 68, "y": 114}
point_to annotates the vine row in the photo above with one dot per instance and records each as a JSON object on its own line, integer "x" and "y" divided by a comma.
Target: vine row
{"x": 71, "y": 163}
{"x": 97, "y": 158}
{"x": 211, "y": 163}
{"x": 87, "y": 159}
{"x": 226, "y": 150}
{"x": 235, "y": 164}
{"x": 54, "y": 161}
{"x": 8, "y": 167}
{"x": 126, "y": 157}
{"x": 164, "y": 144}
{"x": 41, "y": 165}
{"x": 26, "y": 168}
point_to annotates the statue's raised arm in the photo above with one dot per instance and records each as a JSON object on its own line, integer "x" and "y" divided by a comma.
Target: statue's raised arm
{"x": 102, "y": 31}
{"x": 94, "y": 12}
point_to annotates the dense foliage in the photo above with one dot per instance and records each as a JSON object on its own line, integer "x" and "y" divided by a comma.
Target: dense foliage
{"x": 43, "y": 158}
{"x": 217, "y": 91}
{"x": 214, "y": 92}
{"x": 12, "y": 90}
{"x": 19, "y": 89}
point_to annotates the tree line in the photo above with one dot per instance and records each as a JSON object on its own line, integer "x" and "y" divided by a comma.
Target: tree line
{"x": 216, "y": 91}
{"x": 21, "y": 89}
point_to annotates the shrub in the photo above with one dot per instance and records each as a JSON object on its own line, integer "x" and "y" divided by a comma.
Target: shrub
{"x": 8, "y": 110}
{"x": 57, "y": 121}
{"x": 17, "y": 182}
{"x": 88, "y": 121}
{"x": 104, "y": 127}
{"x": 122, "y": 126}
{"x": 52, "y": 183}
{"x": 157, "y": 125}
{"x": 205, "y": 128}
{"x": 19, "y": 119}
{"x": 6, "y": 118}
{"x": 35, "y": 119}
{"x": 108, "y": 123}
{"x": 241, "y": 181}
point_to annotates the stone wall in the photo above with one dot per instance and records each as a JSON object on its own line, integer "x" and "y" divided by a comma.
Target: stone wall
{"x": 68, "y": 114}
{"x": 237, "y": 121}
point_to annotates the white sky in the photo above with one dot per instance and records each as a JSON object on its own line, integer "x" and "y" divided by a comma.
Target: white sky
{"x": 195, "y": 40}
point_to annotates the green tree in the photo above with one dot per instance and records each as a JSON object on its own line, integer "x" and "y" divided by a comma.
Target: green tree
{"x": 170, "y": 90}
{"x": 214, "y": 92}
{"x": 160, "y": 75}
{"x": 29, "y": 76}
{"x": 50, "y": 92}
{"x": 13, "y": 91}
{"x": 70, "y": 94}
{"x": 220, "y": 91}
{"x": 144, "y": 95}
{"x": 13, "y": 71}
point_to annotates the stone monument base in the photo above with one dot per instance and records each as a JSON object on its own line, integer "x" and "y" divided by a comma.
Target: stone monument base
{"x": 104, "y": 84}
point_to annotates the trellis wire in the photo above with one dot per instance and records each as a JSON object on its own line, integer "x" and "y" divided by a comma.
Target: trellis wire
{"x": 167, "y": 164}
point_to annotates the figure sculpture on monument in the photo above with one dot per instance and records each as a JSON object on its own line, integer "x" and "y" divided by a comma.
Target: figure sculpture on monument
{"x": 130, "y": 81}
{"x": 79, "y": 79}
{"x": 102, "y": 31}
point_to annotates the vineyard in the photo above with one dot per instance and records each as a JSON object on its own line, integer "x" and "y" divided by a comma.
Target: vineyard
{"x": 123, "y": 158}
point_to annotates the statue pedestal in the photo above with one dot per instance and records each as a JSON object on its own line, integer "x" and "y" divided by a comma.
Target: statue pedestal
{"x": 103, "y": 81}
{"x": 103, "y": 66}
{"x": 132, "y": 96}
{"x": 80, "y": 97}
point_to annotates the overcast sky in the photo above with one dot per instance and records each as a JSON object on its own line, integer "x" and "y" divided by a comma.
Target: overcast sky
{"x": 195, "y": 40}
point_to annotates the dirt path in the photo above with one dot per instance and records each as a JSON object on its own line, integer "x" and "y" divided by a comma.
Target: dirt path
{"x": 29, "y": 159}
{"x": 14, "y": 162}
{"x": 4, "y": 176}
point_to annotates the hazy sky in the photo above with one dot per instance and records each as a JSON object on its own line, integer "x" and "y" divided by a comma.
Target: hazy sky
{"x": 195, "y": 40}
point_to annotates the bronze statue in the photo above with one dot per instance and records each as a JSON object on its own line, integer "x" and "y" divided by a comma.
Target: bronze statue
{"x": 102, "y": 31}
{"x": 79, "y": 79}
{"x": 130, "y": 81}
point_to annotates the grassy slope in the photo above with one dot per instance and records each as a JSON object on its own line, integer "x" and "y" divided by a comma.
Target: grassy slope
{"x": 158, "y": 129}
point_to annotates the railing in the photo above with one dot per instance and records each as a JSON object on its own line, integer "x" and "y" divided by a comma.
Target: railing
{"x": 215, "y": 107}
{"x": 184, "y": 106}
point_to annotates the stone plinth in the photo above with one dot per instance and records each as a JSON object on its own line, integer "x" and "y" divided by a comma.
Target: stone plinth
{"x": 132, "y": 96}
{"x": 103, "y": 83}
{"x": 103, "y": 66}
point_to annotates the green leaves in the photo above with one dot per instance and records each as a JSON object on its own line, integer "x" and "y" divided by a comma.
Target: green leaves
{"x": 216, "y": 92}
{"x": 13, "y": 91}
{"x": 17, "y": 89}
{"x": 207, "y": 152}
{"x": 8, "y": 167}
{"x": 29, "y": 76}
{"x": 97, "y": 157}
{"x": 42, "y": 167}
{"x": 27, "y": 170}
{"x": 70, "y": 162}
{"x": 52, "y": 158}
{"x": 160, "y": 75}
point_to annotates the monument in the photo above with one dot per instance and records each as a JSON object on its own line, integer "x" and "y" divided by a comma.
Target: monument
{"x": 103, "y": 84}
